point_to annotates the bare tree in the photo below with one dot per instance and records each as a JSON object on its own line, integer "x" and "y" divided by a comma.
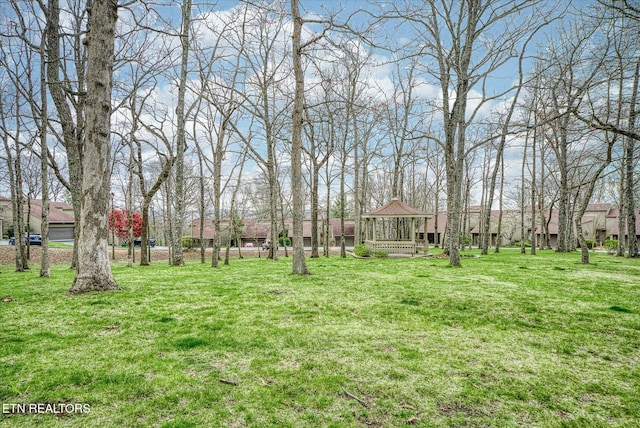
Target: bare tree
{"x": 142, "y": 118}
{"x": 586, "y": 191}
{"x": 267, "y": 99}
{"x": 14, "y": 125}
{"x": 166, "y": 160}
{"x": 29, "y": 29}
{"x": 467, "y": 41}
{"x": 618, "y": 114}
{"x": 68, "y": 95}
{"x": 299, "y": 262}
{"x": 45, "y": 270}
{"x": 93, "y": 270}
{"x": 503, "y": 126}
{"x": 177, "y": 258}
{"x": 318, "y": 158}
{"x": 15, "y": 183}
{"x": 235, "y": 222}
{"x": 217, "y": 107}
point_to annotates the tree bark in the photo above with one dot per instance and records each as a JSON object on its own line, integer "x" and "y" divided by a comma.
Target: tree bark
{"x": 533, "y": 191}
{"x": 45, "y": 270}
{"x": 72, "y": 130}
{"x": 93, "y": 270}
{"x": 299, "y": 262}
{"x": 500, "y": 208}
{"x": 629, "y": 154}
{"x": 177, "y": 258}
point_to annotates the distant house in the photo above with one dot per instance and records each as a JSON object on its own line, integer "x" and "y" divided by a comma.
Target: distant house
{"x": 614, "y": 230}
{"x": 255, "y": 232}
{"x": 599, "y": 223}
{"x": 62, "y": 223}
{"x": 61, "y": 218}
{"x": 439, "y": 219}
{"x": 5, "y": 215}
{"x": 349, "y": 232}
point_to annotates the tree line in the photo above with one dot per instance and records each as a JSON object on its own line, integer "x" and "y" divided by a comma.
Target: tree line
{"x": 274, "y": 110}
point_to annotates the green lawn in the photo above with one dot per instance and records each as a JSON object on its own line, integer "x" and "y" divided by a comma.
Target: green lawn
{"x": 508, "y": 340}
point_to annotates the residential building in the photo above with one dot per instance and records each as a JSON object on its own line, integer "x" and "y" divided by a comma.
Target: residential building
{"x": 61, "y": 218}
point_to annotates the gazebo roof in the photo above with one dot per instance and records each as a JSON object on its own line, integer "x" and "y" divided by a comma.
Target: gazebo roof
{"x": 396, "y": 209}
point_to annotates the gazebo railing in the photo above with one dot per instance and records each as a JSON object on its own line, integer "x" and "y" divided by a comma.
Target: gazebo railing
{"x": 391, "y": 247}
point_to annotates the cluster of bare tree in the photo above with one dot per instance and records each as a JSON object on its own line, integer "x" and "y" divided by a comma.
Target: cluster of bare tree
{"x": 270, "y": 110}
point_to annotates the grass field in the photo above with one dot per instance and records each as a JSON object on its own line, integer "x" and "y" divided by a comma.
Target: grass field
{"x": 508, "y": 340}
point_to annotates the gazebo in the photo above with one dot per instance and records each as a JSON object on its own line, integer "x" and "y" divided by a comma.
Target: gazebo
{"x": 392, "y": 228}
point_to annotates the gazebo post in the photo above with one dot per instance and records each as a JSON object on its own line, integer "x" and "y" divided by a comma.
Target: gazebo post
{"x": 413, "y": 235}
{"x": 366, "y": 229}
{"x": 426, "y": 236}
{"x": 375, "y": 232}
{"x": 413, "y": 230}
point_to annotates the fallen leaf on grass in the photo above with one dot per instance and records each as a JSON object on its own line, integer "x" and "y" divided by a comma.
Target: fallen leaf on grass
{"x": 7, "y": 299}
{"x": 265, "y": 382}
{"x": 412, "y": 420}
{"x": 111, "y": 327}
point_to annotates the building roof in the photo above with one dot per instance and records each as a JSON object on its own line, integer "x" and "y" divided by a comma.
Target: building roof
{"x": 431, "y": 223}
{"x": 598, "y": 207}
{"x": 396, "y": 208}
{"x": 615, "y": 230}
{"x": 349, "y": 227}
{"x": 59, "y": 212}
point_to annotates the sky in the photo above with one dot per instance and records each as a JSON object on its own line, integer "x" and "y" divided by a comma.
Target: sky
{"x": 380, "y": 76}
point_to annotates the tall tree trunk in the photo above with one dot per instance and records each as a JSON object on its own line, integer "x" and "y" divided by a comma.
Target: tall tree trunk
{"x": 436, "y": 235}
{"x": 21, "y": 245}
{"x": 483, "y": 237}
{"x": 563, "y": 201}
{"x": 465, "y": 210}
{"x": 357, "y": 188}
{"x": 500, "y": 207}
{"x": 584, "y": 201}
{"x": 488, "y": 204}
{"x": 533, "y": 191}
{"x": 629, "y": 154}
{"x": 168, "y": 217}
{"x": 16, "y": 194}
{"x": 147, "y": 197}
{"x": 72, "y": 135}
{"x": 131, "y": 256}
{"x": 274, "y": 194}
{"x": 14, "y": 164}
{"x": 328, "y": 226}
{"x": 314, "y": 213}
{"x": 233, "y": 215}
{"x": 299, "y": 262}
{"x": 544, "y": 222}
{"x": 523, "y": 237}
{"x": 343, "y": 202}
{"x": 45, "y": 270}
{"x": 94, "y": 271}
{"x": 217, "y": 186}
{"x": 27, "y": 227}
{"x": 177, "y": 258}
{"x": 201, "y": 209}
{"x": 622, "y": 209}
